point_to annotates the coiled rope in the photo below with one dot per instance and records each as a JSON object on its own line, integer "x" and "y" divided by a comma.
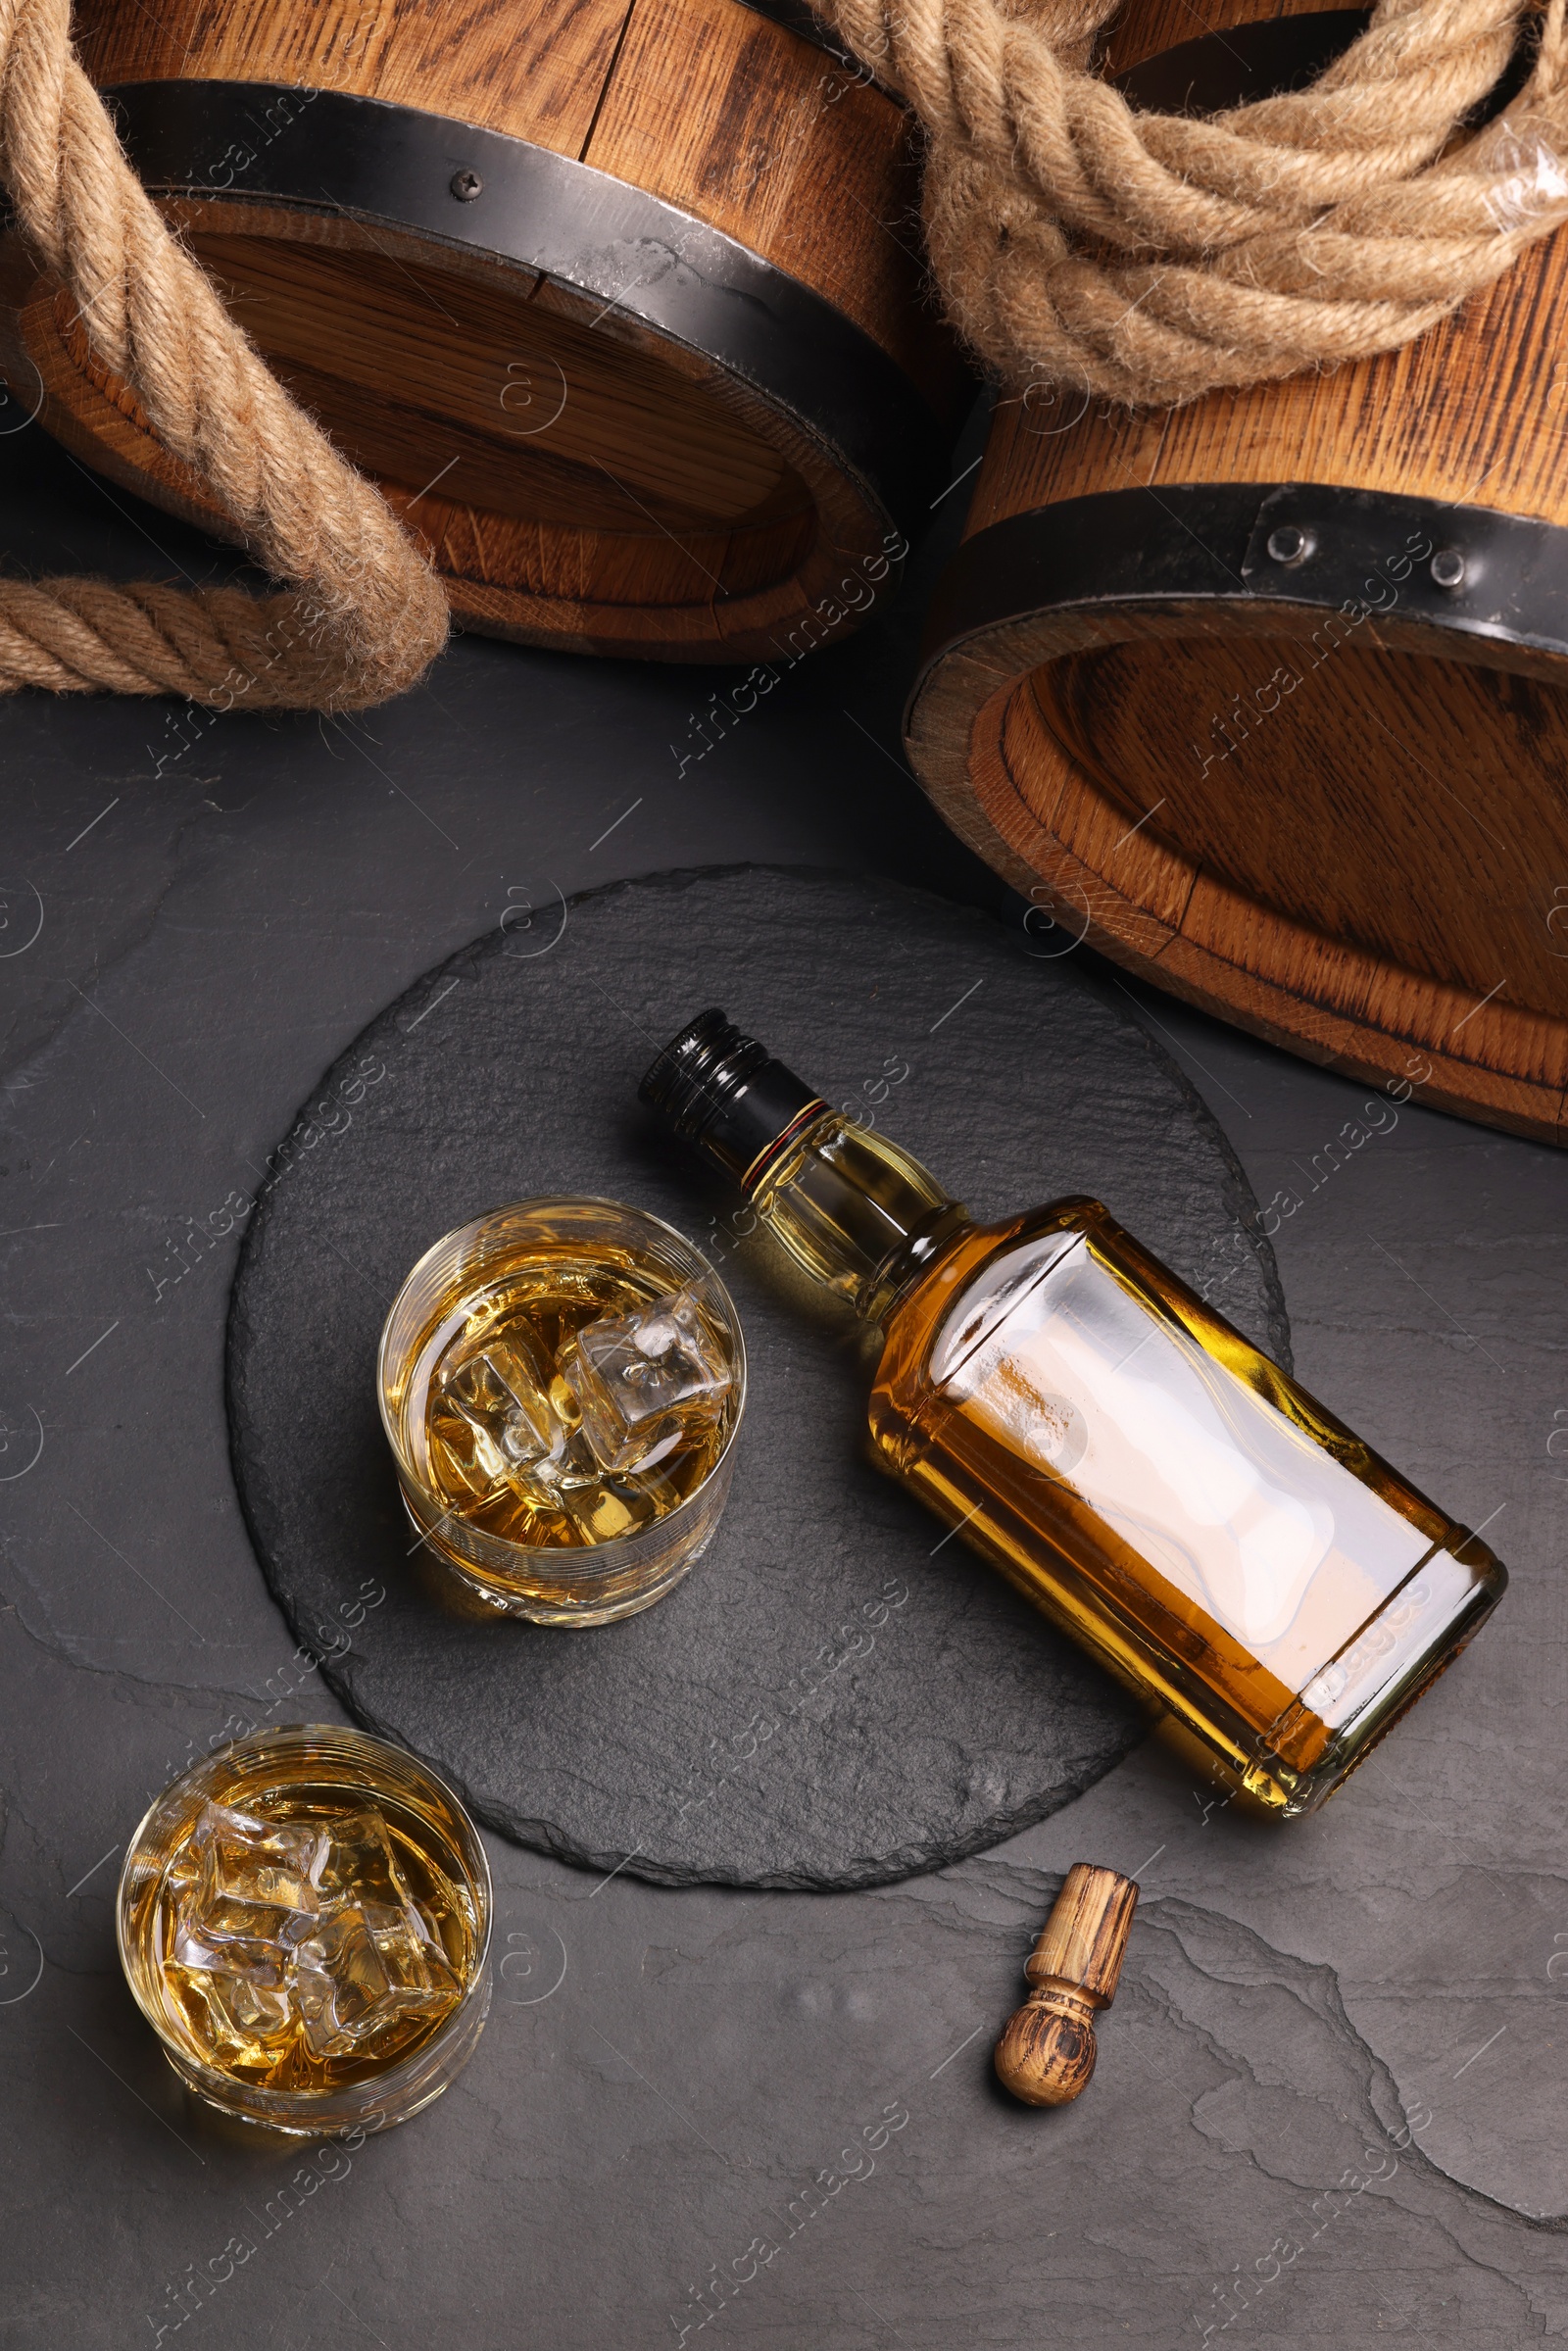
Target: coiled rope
{"x": 1151, "y": 257}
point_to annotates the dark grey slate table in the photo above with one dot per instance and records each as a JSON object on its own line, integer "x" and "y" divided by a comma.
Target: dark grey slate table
{"x": 1331, "y": 2094}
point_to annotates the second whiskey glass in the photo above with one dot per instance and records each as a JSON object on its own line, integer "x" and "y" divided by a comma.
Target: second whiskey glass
{"x": 212, "y": 1947}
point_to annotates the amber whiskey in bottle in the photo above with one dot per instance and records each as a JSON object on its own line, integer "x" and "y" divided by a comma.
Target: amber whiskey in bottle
{"x": 1276, "y": 1593}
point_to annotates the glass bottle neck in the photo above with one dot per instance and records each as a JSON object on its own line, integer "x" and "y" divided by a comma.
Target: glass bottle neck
{"x": 857, "y": 1212}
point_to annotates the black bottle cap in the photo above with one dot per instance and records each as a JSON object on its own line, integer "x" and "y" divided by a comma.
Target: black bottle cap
{"x": 726, "y": 1093}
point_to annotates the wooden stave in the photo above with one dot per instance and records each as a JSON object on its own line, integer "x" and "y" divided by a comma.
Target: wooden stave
{"x": 1190, "y": 931}
{"x": 554, "y": 104}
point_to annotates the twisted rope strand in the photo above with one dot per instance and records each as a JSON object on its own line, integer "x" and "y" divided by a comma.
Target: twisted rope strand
{"x": 367, "y": 616}
{"x": 1150, "y": 258}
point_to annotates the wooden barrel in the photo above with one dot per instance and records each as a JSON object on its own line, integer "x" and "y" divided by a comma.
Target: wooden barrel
{"x": 618, "y": 302}
{"x": 1267, "y": 697}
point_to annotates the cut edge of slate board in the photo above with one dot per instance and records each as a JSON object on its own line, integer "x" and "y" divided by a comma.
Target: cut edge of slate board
{"x": 547, "y": 1836}
{"x": 880, "y": 1869}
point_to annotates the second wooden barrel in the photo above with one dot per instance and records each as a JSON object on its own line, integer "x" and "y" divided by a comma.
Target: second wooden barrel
{"x": 614, "y": 298}
{"x": 1267, "y": 697}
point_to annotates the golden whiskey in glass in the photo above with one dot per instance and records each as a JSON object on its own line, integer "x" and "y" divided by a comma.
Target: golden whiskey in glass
{"x": 561, "y": 1383}
{"x": 304, "y": 1920}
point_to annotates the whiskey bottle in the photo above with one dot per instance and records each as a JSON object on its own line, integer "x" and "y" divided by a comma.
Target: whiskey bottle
{"x": 1271, "y": 1588}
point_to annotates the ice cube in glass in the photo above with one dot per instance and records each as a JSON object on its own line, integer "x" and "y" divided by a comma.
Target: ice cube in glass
{"x": 412, "y": 1958}
{"x": 491, "y": 1413}
{"x": 255, "y": 1880}
{"x": 645, "y": 1381}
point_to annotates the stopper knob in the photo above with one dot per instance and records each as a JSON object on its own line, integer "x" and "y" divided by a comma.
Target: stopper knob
{"x": 1047, "y": 2051}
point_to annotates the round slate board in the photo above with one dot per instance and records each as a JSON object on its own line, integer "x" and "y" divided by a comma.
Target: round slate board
{"x": 835, "y": 1695}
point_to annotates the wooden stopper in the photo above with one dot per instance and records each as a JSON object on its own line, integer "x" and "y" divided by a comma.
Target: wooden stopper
{"x": 1046, "y": 2053}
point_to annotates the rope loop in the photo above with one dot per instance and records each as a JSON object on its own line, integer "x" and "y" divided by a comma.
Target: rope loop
{"x": 366, "y": 614}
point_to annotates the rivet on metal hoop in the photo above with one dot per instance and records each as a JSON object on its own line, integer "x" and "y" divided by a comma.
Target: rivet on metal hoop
{"x": 1289, "y": 543}
{"x": 1449, "y": 568}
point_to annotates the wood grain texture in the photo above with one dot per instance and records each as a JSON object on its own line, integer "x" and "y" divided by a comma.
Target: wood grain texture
{"x": 536, "y": 73}
{"x": 1359, "y": 852}
{"x": 580, "y": 480}
{"x": 1047, "y": 2051}
{"x": 1084, "y": 1941}
{"x": 1476, "y": 411}
{"x": 759, "y": 149}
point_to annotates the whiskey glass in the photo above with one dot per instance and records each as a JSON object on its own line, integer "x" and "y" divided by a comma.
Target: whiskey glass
{"x": 537, "y": 1274}
{"x": 304, "y": 1778}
